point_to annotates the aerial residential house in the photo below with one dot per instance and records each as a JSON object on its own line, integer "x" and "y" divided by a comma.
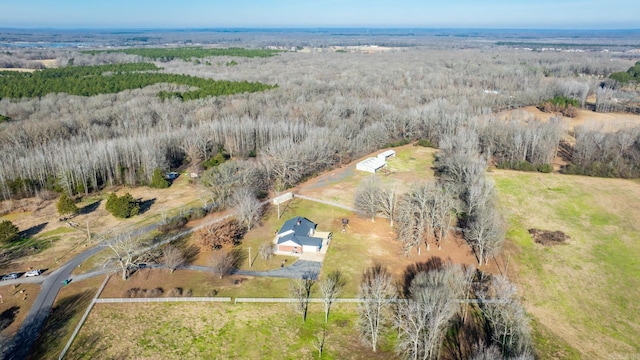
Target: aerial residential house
{"x": 297, "y": 236}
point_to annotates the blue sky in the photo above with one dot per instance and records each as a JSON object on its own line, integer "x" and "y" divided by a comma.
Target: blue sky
{"x": 545, "y": 14}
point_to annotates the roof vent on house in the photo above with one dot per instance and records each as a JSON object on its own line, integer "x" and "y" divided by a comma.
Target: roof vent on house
{"x": 299, "y": 222}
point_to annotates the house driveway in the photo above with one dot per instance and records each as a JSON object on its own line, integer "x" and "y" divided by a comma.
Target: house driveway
{"x": 299, "y": 270}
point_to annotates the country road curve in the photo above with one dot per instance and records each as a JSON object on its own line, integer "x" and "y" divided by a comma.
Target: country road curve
{"x": 41, "y": 308}
{"x": 21, "y": 344}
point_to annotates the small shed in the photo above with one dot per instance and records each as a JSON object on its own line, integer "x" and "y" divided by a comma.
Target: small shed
{"x": 386, "y": 154}
{"x": 371, "y": 164}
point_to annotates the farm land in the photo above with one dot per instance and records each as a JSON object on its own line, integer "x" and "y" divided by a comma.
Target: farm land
{"x": 560, "y": 289}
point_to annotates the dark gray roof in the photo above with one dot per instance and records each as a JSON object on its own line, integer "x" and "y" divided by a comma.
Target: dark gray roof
{"x": 300, "y": 234}
{"x": 301, "y": 240}
{"x": 301, "y": 229}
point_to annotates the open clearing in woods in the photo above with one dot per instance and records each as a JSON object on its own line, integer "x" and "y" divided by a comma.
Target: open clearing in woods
{"x": 582, "y": 295}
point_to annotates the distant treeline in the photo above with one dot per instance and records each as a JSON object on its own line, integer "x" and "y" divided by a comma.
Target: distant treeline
{"x": 114, "y": 78}
{"x": 188, "y": 53}
{"x": 537, "y": 45}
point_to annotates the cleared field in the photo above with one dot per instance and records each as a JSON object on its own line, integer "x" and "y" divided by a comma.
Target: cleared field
{"x": 605, "y": 121}
{"x": 583, "y": 294}
{"x": 71, "y": 303}
{"x": 411, "y": 164}
{"x": 59, "y": 242}
{"x": 217, "y": 331}
{"x": 16, "y": 302}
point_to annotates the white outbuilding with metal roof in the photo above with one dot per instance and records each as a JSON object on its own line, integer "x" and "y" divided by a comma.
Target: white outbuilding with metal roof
{"x": 371, "y": 164}
{"x": 386, "y": 154}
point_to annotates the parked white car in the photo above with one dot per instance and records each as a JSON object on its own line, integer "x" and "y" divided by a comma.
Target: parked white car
{"x": 30, "y": 273}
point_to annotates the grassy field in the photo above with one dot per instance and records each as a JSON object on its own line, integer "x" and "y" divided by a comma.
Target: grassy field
{"x": 327, "y": 218}
{"x": 71, "y": 303}
{"x": 582, "y": 295}
{"x": 217, "y": 331}
{"x": 411, "y": 165}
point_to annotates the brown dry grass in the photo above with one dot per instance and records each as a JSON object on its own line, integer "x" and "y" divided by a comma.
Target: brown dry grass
{"x": 17, "y": 69}
{"x": 47, "y": 63}
{"x": 606, "y": 121}
{"x": 16, "y": 302}
{"x": 65, "y": 241}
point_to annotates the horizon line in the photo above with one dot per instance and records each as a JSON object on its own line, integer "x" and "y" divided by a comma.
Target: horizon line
{"x": 328, "y": 27}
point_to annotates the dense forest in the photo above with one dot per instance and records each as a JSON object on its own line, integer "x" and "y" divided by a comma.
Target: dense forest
{"x": 188, "y": 53}
{"x": 329, "y": 108}
{"x": 113, "y": 78}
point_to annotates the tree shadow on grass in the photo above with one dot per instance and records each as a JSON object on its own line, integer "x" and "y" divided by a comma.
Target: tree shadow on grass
{"x": 91, "y": 347}
{"x": 435, "y": 263}
{"x": 190, "y": 253}
{"x": 89, "y": 208}
{"x": 239, "y": 256}
{"x": 146, "y": 205}
{"x": 466, "y": 335}
{"x": 21, "y": 248}
{"x": 34, "y": 230}
{"x": 8, "y": 316}
{"x": 60, "y": 324}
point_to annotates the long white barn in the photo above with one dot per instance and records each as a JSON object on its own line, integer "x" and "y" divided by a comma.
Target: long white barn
{"x": 371, "y": 164}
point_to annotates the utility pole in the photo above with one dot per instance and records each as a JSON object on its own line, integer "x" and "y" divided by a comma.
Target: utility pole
{"x": 250, "y": 257}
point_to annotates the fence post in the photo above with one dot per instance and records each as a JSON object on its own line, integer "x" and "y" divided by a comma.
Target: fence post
{"x": 84, "y": 317}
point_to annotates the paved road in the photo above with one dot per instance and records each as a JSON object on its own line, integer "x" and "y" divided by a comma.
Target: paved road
{"x": 41, "y": 308}
{"x": 330, "y": 203}
{"x": 51, "y": 285}
{"x": 299, "y": 270}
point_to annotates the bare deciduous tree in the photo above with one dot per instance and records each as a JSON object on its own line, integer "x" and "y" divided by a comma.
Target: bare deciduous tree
{"x": 225, "y": 179}
{"x": 248, "y": 208}
{"x": 127, "y": 251}
{"x": 320, "y": 341}
{"x": 376, "y": 293}
{"x": 480, "y": 194}
{"x": 223, "y": 262}
{"x": 388, "y": 203}
{"x": 442, "y": 213}
{"x": 300, "y": 291}
{"x": 172, "y": 257}
{"x": 330, "y": 289}
{"x": 267, "y": 249}
{"x": 485, "y": 233}
{"x": 414, "y": 220}
{"x": 423, "y": 318}
{"x": 367, "y": 197}
{"x": 506, "y": 317}
{"x": 425, "y": 214}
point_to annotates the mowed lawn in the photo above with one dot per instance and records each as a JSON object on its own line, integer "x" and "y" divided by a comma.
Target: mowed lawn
{"x": 582, "y": 295}
{"x": 217, "y": 331}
